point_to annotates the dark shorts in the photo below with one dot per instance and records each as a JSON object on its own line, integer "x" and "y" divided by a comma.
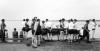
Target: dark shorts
{"x": 26, "y": 29}
{"x": 55, "y": 31}
{"x": 44, "y": 31}
{"x": 38, "y": 32}
{"x": 85, "y": 33}
{"x": 73, "y": 31}
{"x": 93, "y": 29}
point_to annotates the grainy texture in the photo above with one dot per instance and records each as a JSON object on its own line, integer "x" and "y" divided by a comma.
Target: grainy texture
{"x": 52, "y": 46}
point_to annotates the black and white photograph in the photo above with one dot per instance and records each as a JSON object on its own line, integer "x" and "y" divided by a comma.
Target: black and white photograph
{"x": 49, "y": 25}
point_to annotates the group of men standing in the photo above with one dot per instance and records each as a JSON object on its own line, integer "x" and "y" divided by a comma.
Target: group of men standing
{"x": 38, "y": 27}
{"x": 44, "y": 28}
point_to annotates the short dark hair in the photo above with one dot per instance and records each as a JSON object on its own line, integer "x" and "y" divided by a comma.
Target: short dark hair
{"x": 23, "y": 19}
{"x": 14, "y": 28}
{"x": 43, "y": 21}
{"x": 71, "y": 19}
{"x": 27, "y": 19}
{"x": 38, "y": 19}
{"x": 75, "y": 19}
{"x": 93, "y": 20}
{"x": 87, "y": 21}
{"x": 59, "y": 20}
{"x": 33, "y": 19}
{"x": 63, "y": 19}
{"x": 3, "y": 20}
{"x": 46, "y": 19}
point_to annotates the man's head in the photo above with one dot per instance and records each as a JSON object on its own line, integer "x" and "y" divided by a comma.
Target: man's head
{"x": 35, "y": 18}
{"x": 3, "y": 20}
{"x": 68, "y": 21}
{"x": 38, "y": 20}
{"x": 43, "y": 22}
{"x": 93, "y": 20}
{"x": 75, "y": 20}
{"x": 14, "y": 29}
{"x": 63, "y": 19}
{"x": 87, "y": 21}
{"x": 27, "y": 20}
{"x": 71, "y": 20}
{"x": 23, "y": 19}
{"x": 46, "y": 20}
{"x": 59, "y": 20}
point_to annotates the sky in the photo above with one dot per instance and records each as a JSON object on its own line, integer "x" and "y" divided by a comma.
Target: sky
{"x": 51, "y": 9}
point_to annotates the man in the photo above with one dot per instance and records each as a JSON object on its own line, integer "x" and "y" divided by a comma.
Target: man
{"x": 21, "y": 35}
{"x": 43, "y": 25}
{"x": 27, "y": 28}
{"x": 85, "y": 32}
{"x": 92, "y": 28}
{"x": 32, "y": 25}
{"x": 62, "y": 29}
{"x": 37, "y": 33}
{"x": 43, "y": 29}
{"x": 48, "y": 28}
{"x": 62, "y": 25}
{"x": 3, "y": 26}
{"x": 58, "y": 31}
{"x": 33, "y": 36}
{"x": 35, "y": 18}
{"x": 15, "y": 35}
{"x": 71, "y": 31}
{"x": 75, "y": 36}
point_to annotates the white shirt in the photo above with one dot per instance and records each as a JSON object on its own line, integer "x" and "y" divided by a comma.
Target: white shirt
{"x": 71, "y": 25}
{"x": 35, "y": 25}
{"x": 92, "y": 25}
{"x": 23, "y": 23}
{"x": 66, "y": 25}
{"x": 76, "y": 25}
{"x": 43, "y": 25}
{"x": 27, "y": 23}
{"x": 2, "y": 26}
{"x": 54, "y": 25}
{"x": 48, "y": 24}
{"x": 81, "y": 32}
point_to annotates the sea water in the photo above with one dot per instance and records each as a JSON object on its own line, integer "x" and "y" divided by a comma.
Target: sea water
{"x": 11, "y": 24}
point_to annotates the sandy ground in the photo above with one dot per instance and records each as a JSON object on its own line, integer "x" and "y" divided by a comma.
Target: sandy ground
{"x": 52, "y": 46}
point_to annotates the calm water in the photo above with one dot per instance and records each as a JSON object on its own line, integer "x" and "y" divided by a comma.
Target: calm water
{"x": 19, "y": 24}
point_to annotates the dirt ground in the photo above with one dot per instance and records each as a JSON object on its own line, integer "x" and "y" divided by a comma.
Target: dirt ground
{"x": 52, "y": 46}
